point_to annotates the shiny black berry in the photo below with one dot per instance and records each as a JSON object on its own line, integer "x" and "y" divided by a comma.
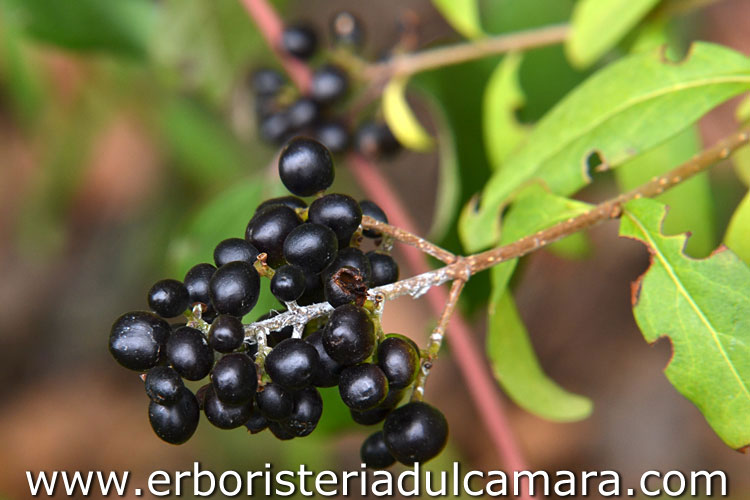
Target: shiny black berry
{"x": 299, "y": 40}
{"x": 349, "y": 335}
{"x": 305, "y": 167}
{"x": 225, "y": 415}
{"x": 327, "y": 370}
{"x": 288, "y": 283}
{"x": 352, "y": 257}
{"x": 226, "y": 333}
{"x": 266, "y": 82}
{"x": 375, "y": 140}
{"x": 234, "y": 288}
{"x": 290, "y": 201}
{"x": 257, "y": 422}
{"x": 281, "y": 430}
{"x": 363, "y": 386}
{"x": 378, "y": 414}
{"x": 374, "y": 453}
{"x": 384, "y": 269}
{"x": 306, "y": 411}
{"x": 234, "y": 378}
{"x": 189, "y": 353}
{"x": 175, "y": 423}
{"x": 370, "y": 209}
{"x": 163, "y": 385}
{"x": 346, "y": 29}
{"x": 415, "y": 432}
{"x": 275, "y": 127}
{"x": 274, "y": 402}
{"x": 333, "y": 135}
{"x": 329, "y": 84}
{"x": 312, "y": 247}
{"x": 268, "y": 229}
{"x": 235, "y": 249}
{"x": 196, "y": 282}
{"x": 399, "y": 360}
{"x": 168, "y": 298}
{"x": 339, "y": 212}
{"x": 313, "y": 289}
{"x": 345, "y": 286}
{"x": 137, "y": 340}
{"x": 302, "y": 114}
{"x": 292, "y": 363}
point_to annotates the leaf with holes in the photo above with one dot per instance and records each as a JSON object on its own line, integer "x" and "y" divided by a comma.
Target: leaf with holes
{"x": 517, "y": 369}
{"x": 619, "y": 113}
{"x": 598, "y": 25}
{"x": 463, "y": 15}
{"x": 703, "y": 306}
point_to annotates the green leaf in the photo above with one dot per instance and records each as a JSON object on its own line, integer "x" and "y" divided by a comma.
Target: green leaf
{"x": 517, "y": 368}
{"x": 703, "y": 306}
{"x": 463, "y": 15}
{"x": 401, "y": 119}
{"x": 502, "y": 98}
{"x": 614, "y": 116}
{"x": 738, "y": 231}
{"x": 598, "y": 25}
{"x": 535, "y": 209}
{"x": 122, "y": 27}
{"x": 691, "y": 203}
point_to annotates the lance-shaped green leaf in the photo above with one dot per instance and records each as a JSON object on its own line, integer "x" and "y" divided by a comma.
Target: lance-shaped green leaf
{"x": 463, "y": 15}
{"x": 502, "y": 97}
{"x": 622, "y": 111}
{"x": 738, "y": 232}
{"x": 400, "y": 117}
{"x": 703, "y": 306}
{"x": 517, "y": 368}
{"x": 598, "y": 25}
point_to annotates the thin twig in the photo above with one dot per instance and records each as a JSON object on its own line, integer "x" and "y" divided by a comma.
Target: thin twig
{"x": 404, "y": 236}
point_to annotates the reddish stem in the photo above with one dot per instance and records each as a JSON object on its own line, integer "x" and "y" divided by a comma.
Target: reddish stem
{"x": 271, "y": 27}
{"x": 470, "y": 360}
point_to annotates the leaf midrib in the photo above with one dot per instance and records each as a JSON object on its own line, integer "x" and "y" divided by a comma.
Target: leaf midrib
{"x": 670, "y": 270}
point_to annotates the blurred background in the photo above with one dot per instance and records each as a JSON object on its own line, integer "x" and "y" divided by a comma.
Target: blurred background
{"x": 128, "y": 148}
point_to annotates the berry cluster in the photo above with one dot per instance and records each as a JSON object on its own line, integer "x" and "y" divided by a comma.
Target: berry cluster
{"x": 283, "y": 113}
{"x": 311, "y": 254}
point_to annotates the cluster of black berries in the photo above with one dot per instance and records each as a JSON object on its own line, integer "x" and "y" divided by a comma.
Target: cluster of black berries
{"x": 312, "y": 255}
{"x": 281, "y": 113}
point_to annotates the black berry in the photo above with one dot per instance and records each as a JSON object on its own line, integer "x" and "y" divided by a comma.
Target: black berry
{"x": 292, "y": 363}
{"x": 306, "y": 411}
{"x": 302, "y": 114}
{"x": 374, "y": 140}
{"x": 235, "y": 288}
{"x": 234, "y": 378}
{"x": 288, "y": 283}
{"x": 347, "y": 285}
{"x": 312, "y": 247}
{"x": 268, "y": 229}
{"x": 399, "y": 360}
{"x": 415, "y": 432}
{"x": 363, "y": 386}
{"x": 226, "y": 333}
{"x": 305, "y": 167}
{"x": 281, "y": 430}
{"x": 257, "y": 422}
{"x": 168, "y": 298}
{"x": 196, "y": 282}
{"x": 327, "y": 370}
{"x": 374, "y": 453}
{"x": 384, "y": 269}
{"x": 163, "y": 385}
{"x": 333, "y": 135}
{"x": 274, "y": 402}
{"x": 189, "y": 354}
{"x": 378, "y": 414}
{"x": 137, "y": 340}
{"x": 235, "y": 249}
{"x": 290, "y": 201}
{"x": 329, "y": 83}
{"x": 225, "y": 415}
{"x": 299, "y": 40}
{"x": 349, "y": 335}
{"x": 275, "y": 127}
{"x": 266, "y": 82}
{"x": 351, "y": 257}
{"x": 339, "y": 212}
{"x": 175, "y": 423}
{"x": 370, "y": 209}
